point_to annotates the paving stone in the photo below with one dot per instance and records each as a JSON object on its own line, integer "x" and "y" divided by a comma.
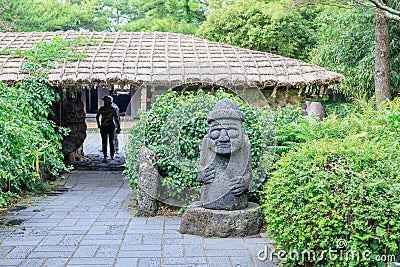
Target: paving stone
{"x": 184, "y": 261}
{"x": 55, "y": 262}
{"x": 241, "y": 261}
{"x": 91, "y": 261}
{"x": 52, "y": 240}
{"x": 158, "y": 232}
{"x": 50, "y": 254}
{"x": 155, "y": 221}
{"x": 172, "y": 251}
{"x": 104, "y": 241}
{"x": 144, "y": 247}
{"x": 194, "y": 251}
{"x": 264, "y": 263}
{"x": 149, "y": 262}
{"x": 124, "y": 262}
{"x": 221, "y": 242}
{"x": 55, "y": 248}
{"x": 57, "y": 215}
{"x": 173, "y": 241}
{"x": 140, "y": 253}
{"x": 146, "y": 227}
{"x": 86, "y": 251}
{"x": 151, "y": 238}
{"x": 71, "y": 240}
{"x": 32, "y": 263}
{"x": 226, "y": 253}
{"x": 116, "y": 229}
{"x": 90, "y": 225}
{"x": 132, "y": 239}
{"x": 84, "y": 221}
{"x": 98, "y": 230}
{"x": 218, "y": 261}
{"x": 107, "y": 251}
{"x": 10, "y": 262}
{"x": 20, "y": 252}
{"x": 4, "y": 250}
{"x": 21, "y": 241}
{"x": 69, "y": 222}
{"x": 175, "y": 227}
{"x": 173, "y": 234}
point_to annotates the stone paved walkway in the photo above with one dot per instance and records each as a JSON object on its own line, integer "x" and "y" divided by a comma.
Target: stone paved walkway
{"x": 93, "y": 157}
{"x": 89, "y": 222}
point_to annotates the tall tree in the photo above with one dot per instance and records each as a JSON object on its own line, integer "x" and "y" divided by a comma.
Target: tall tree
{"x": 382, "y": 58}
{"x": 184, "y": 16}
{"x": 53, "y": 15}
{"x": 384, "y": 10}
{"x": 261, "y": 26}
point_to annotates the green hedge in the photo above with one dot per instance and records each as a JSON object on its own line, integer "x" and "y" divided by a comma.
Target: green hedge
{"x": 29, "y": 145}
{"x": 337, "y": 189}
{"x": 174, "y": 128}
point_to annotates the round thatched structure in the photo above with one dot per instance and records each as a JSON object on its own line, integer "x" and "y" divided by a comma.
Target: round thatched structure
{"x": 158, "y": 61}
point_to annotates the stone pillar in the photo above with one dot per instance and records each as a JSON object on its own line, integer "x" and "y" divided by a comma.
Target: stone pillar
{"x": 149, "y": 183}
{"x": 135, "y": 104}
{"x": 143, "y": 102}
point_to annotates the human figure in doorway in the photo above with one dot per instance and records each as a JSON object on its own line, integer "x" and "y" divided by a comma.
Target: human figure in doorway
{"x": 106, "y": 119}
{"x": 116, "y": 132}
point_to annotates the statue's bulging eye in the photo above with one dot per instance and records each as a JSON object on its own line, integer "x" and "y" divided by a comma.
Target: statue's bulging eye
{"x": 215, "y": 134}
{"x": 233, "y": 133}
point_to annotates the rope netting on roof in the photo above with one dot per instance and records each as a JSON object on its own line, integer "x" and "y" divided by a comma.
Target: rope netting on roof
{"x": 163, "y": 58}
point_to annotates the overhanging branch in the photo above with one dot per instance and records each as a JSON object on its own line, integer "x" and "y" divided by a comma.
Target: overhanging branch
{"x": 389, "y": 12}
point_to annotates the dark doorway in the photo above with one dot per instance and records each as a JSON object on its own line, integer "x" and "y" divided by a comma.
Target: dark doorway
{"x": 91, "y": 100}
{"x": 122, "y": 100}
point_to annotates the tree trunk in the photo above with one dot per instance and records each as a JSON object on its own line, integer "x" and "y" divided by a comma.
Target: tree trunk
{"x": 382, "y": 59}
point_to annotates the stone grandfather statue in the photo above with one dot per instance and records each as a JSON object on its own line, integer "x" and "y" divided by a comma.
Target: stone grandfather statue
{"x": 225, "y": 171}
{"x": 225, "y": 159}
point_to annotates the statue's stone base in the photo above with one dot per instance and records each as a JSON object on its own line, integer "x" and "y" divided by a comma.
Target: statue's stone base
{"x": 221, "y": 223}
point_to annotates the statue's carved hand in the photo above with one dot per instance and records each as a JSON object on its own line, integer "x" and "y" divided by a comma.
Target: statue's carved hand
{"x": 209, "y": 174}
{"x": 236, "y": 186}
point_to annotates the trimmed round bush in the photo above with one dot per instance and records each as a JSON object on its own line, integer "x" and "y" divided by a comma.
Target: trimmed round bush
{"x": 174, "y": 128}
{"x": 337, "y": 194}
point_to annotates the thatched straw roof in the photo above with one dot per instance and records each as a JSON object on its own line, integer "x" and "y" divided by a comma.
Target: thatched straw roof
{"x": 163, "y": 59}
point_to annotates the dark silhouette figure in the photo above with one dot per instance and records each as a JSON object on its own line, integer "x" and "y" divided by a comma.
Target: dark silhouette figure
{"x": 106, "y": 119}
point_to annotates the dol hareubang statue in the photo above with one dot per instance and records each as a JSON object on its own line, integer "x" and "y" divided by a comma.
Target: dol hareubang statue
{"x": 225, "y": 159}
{"x": 225, "y": 171}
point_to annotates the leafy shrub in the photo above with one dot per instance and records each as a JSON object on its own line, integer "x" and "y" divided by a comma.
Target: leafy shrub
{"x": 340, "y": 109}
{"x": 338, "y": 186}
{"x": 29, "y": 145}
{"x": 349, "y": 49}
{"x": 174, "y": 128}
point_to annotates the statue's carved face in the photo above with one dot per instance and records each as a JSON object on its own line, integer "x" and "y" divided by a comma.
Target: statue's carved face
{"x": 226, "y": 135}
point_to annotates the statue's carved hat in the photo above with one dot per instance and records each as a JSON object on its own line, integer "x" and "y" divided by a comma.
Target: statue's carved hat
{"x": 225, "y": 109}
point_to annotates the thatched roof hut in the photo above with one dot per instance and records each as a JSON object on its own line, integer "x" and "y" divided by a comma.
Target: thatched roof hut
{"x": 167, "y": 60}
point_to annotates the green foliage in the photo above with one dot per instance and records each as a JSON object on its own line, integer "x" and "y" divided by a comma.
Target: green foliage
{"x": 54, "y": 15}
{"x": 30, "y": 144}
{"x": 50, "y": 55}
{"x": 256, "y": 25}
{"x": 286, "y": 137}
{"x": 183, "y": 16}
{"x": 346, "y": 45}
{"x": 340, "y": 184}
{"x": 174, "y": 129}
{"x": 339, "y": 109}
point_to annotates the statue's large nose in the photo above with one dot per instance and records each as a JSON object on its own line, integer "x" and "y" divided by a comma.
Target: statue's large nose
{"x": 223, "y": 137}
